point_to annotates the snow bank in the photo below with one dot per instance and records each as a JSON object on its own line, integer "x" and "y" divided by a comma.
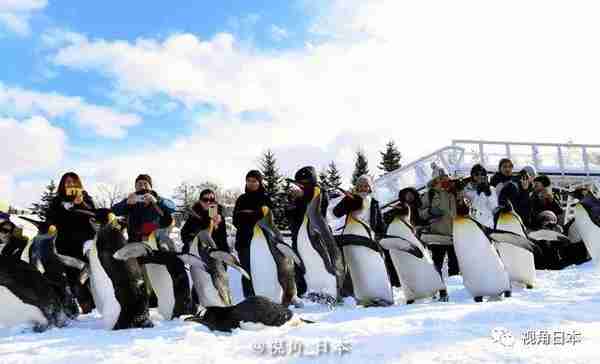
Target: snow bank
{"x": 562, "y": 313}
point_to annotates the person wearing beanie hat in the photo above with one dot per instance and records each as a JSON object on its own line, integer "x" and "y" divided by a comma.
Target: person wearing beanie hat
{"x": 543, "y": 200}
{"x": 438, "y": 207}
{"x": 300, "y": 195}
{"x": 365, "y": 208}
{"x": 146, "y": 211}
{"x": 481, "y": 196}
{"x": 246, "y": 214}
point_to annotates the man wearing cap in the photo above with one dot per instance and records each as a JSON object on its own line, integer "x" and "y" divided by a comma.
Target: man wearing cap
{"x": 145, "y": 209}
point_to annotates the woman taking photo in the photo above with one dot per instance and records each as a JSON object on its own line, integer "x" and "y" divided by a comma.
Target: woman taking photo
{"x": 69, "y": 213}
{"x": 203, "y": 212}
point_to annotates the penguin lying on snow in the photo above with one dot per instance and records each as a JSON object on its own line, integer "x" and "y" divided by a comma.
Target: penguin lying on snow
{"x": 28, "y": 297}
{"x": 254, "y": 309}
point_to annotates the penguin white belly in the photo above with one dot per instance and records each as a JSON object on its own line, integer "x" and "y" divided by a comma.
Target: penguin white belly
{"x": 103, "y": 291}
{"x": 318, "y": 279}
{"x": 162, "y": 284}
{"x": 418, "y": 276}
{"x": 208, "y": 295}
{"x": 25, "y": 254}
{"x": 16, "y": 312}
{"x": 369, "y": 275}
{"x": 264, "y": 269}
{"x": 590, "y": 233}
{"x": 519, "y": 263}
{"x": 483, "y": 271}
{"x": 367, "y": 268}
{"x": 205, "y": 289}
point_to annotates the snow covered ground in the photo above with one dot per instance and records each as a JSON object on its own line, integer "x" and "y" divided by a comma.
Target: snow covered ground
{"x": 562, "y": 314}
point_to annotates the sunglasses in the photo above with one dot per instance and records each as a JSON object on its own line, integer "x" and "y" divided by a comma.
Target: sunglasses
{"x": 206, "y": 199}
{"x": 480, "y": 174}
{"x": 6, "y": 231}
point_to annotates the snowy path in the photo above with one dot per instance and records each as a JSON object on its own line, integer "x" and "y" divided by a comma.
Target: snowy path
{"x": 428, "y": 332}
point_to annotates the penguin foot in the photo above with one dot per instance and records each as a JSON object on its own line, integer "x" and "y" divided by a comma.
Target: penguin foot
{"x": 39, "y": 328}
{"x": 529, "y": 286}
{"x": 443, "y": 295}
{"x": 507, "y": 294}
{"x": 376, "y": 302}
{"x": 322, "y": 298}
{"x": 410, "y": 302}
{"x": 478, "y": 299}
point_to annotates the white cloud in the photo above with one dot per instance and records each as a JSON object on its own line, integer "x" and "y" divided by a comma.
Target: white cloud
{"x": 102, "y": 120}
{"x": 420, "y": 73}
{"x": 278, "y": 33}
{"x": 15, "y": 14}
{"x": 29, "y": 146}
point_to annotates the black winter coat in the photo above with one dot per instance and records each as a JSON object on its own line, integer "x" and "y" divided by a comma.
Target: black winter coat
{"x": 193, "y": 225}
{"x": 72, "y": 223}
{"x": 246, "y": 213}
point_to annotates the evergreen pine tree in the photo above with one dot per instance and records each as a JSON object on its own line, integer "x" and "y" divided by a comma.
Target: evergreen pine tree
{"x": 41, "y": 208}
{"x": 273, "y": 187}
{"x": 390, "y": 158}
{"x": 272, "y": 177}
{"x": 361, "y": 166}
{"x": 334, "y": 177}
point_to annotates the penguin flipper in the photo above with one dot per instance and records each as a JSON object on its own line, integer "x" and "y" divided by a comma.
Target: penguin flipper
{"x": 511, "y": 238}
{"x": 70, "y": 261}
{"x": 230, "y": 260}
{"x": 132, "y": 250}
{"x": 401, "y": 244}
{"x": 290, "y": 253}
{"x": 548, "y": 235}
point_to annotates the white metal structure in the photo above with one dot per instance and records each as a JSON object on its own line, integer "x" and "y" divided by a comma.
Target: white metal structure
{"x": 565, "y": 164}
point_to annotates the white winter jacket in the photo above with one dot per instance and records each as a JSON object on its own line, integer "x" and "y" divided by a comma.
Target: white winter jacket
{"x": 482, "y": 206}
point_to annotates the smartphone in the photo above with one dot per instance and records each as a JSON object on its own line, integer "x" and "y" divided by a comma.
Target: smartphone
{"x": 213, "y": 211}
{"x": 72, "y": 191}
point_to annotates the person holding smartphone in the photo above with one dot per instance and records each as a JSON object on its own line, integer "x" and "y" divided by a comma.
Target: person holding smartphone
{"x": 69, "y": 216}
{"x": 246, "y": 213}
{"x": 146, "y": 211}
{"x": 204, "y": 212}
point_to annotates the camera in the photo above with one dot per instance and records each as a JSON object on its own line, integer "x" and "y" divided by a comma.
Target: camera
{"x": 212, "y": 211}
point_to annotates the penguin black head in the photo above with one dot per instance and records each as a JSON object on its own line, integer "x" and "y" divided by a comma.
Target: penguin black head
{"x": 103, "y": 216}
{"x": 506, "y": 207}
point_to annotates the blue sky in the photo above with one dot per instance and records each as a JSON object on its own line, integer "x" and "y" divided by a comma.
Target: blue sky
{"x": 198, "y": 90}
{"x": 26, "y": 62}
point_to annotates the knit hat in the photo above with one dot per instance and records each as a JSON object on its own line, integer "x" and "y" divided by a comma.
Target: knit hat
{"x": 256, "y": 175}
{"x": 531, "y": 171}
{"x": 544, "y": 180}
{"x": 144, "y": 177}
{"x": 366, "y": 179}
{"x": 307, "y": 173}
